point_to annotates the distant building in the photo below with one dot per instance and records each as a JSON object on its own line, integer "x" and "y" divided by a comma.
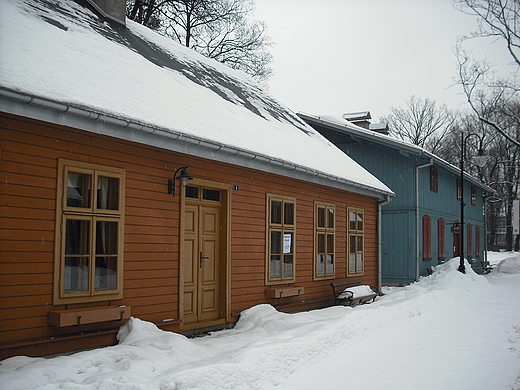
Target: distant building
{"x": 420, "y": 227}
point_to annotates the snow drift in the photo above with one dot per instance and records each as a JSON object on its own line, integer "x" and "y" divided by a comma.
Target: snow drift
{"x": 448, "y": 331}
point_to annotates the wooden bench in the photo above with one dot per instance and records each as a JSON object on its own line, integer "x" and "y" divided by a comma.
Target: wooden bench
{"x": 486, "y": 267}
{"x": 342, "y": 295}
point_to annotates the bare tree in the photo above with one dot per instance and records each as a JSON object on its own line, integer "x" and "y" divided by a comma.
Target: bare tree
{"x": 488, "y": 96}
{"x": 497, "y": 18}
{"x": 502, "y": 171}
{"x": 421, "y": 122}
{"x": 218, "y": 29}
{"x": 496, "y": 102}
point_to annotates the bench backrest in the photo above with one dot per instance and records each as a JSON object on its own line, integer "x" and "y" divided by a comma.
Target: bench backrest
{"x": 338, "y": 287}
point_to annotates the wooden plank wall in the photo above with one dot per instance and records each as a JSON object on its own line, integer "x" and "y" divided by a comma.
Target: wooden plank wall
{"x": 28, "y": 166}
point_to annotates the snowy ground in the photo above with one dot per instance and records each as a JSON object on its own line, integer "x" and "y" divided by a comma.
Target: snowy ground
{"x": 448, "y": 331}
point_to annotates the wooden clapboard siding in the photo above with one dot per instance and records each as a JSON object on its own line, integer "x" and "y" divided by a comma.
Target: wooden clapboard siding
{"x": 28, "y": 169}
{"x": 248, "y": 285}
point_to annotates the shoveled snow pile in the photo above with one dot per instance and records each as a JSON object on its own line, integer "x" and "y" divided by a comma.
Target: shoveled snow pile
{"x": 510, "y": 265}
{"x": 448, "y": 331}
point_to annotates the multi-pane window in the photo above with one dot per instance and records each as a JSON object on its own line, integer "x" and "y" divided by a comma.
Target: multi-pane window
{"x": 441, "y": 240}
{"x": 473, "y": 196}
{"x": 427, "y": 238}
{"x": 434, "y": 178}
{"x": 459, "y": 189}
{"x": 281, "y": 233}
{"x": 89, "y": 238}
{"x": 356, "y": 227}
{"x": 324, "y": 222}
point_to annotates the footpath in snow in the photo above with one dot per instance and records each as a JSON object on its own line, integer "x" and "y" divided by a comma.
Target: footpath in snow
{"x": 447, "y": 331}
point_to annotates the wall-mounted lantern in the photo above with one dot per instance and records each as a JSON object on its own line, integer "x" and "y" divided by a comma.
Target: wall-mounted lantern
{"x": 184, "y": 177}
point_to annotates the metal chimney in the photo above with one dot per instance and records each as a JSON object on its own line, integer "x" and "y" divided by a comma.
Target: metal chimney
{"x": 111, "y": 9}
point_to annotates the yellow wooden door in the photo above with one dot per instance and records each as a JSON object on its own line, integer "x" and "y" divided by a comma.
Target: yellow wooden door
{"x": 201, "y": 263}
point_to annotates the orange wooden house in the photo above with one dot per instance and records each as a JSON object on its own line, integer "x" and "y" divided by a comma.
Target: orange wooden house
{"x": 138, "y": 178}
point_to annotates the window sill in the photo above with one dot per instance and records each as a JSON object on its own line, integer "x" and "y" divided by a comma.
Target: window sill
{"x": 282, "y": 292}
{"x": 76, "y": 317}
{"x": 322, "y": 277}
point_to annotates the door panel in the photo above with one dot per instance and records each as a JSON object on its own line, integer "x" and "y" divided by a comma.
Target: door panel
{"x": 190, "y": 267}
{"x": 201, "y": 263}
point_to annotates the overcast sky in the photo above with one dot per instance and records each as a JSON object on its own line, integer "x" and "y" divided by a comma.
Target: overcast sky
{"x": 338, "y": 56}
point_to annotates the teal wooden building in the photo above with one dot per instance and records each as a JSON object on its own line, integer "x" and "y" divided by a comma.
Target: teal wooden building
{"x": 420, "y": 228}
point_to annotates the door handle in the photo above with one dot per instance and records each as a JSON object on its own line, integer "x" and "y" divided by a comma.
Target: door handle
{"x": 202, "y": 258}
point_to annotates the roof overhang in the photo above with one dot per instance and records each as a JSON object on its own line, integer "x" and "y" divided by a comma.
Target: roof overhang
{"x": 403, "y": 147}
{"x": 81, "y": 118}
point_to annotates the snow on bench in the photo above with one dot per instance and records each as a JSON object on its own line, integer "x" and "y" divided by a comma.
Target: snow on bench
{"x": 352, "y": 292}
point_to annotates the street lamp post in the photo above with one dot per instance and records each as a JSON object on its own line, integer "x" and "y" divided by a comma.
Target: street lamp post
{"x": 480, "y": 160}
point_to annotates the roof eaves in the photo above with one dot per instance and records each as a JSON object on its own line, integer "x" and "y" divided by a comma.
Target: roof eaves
{"x": 386, "y": 140}
{"x": 185, "y": 145}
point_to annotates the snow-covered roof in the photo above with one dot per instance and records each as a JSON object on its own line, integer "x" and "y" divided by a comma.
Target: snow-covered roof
{"x": 353, "y": 116}
{"x": 378, "y": 126}
{"x": 342, "y": 125}
{"x": 62, "y": 62}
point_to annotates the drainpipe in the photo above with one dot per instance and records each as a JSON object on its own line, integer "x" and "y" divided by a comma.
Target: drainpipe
{"x": 485, "y": 225}
{"x": 379, "y": 236}
{"x": 417, "y": 219}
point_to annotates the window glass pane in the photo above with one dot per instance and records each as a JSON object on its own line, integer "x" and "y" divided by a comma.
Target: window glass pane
{"x": 288, "y": 266}
{"x": 321, "y": 217}
{"x": 352, "y": 219}
{"x": 106, "y": 273}
{"x": 330, "y": 243}
{"x": 192, "y": 192}
{"x": 330, "y": 263}
{"x": 276, "y": 242}
{"x": 352, "y": 254}
{"x": 77, "y": 244}
{"x": 274, "y": 267}
{"x": 320, "y": 269}
{"x": 321, "y": 243}
{"x": 276, "y": 212}
{"x": 78, "y": 190}
{"x": 433, "y": 178}
{"x": 359, "y": 254}
{"x": 77, "y": 237}
{"x": 288, "y": 243}
{"x": 359, "y": 262}
{"x": 352, "y": 247}
{"x": 208, "y": 194}
{"x": 108, "y": 193}
{"x": 106, "y": 238}
{"x": 330, "y": 218}
{"x": 288, "y": 213}
{"x": 352, "y": 263}
{"x": 76, "y": 274}
{"x": 360, "y": 221}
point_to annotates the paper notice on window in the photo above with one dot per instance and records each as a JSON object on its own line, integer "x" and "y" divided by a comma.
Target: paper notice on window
{"x": 287, "y": 243}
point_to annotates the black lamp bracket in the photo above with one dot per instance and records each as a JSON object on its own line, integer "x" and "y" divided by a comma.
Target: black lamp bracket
{"x": 184, "y": 175}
